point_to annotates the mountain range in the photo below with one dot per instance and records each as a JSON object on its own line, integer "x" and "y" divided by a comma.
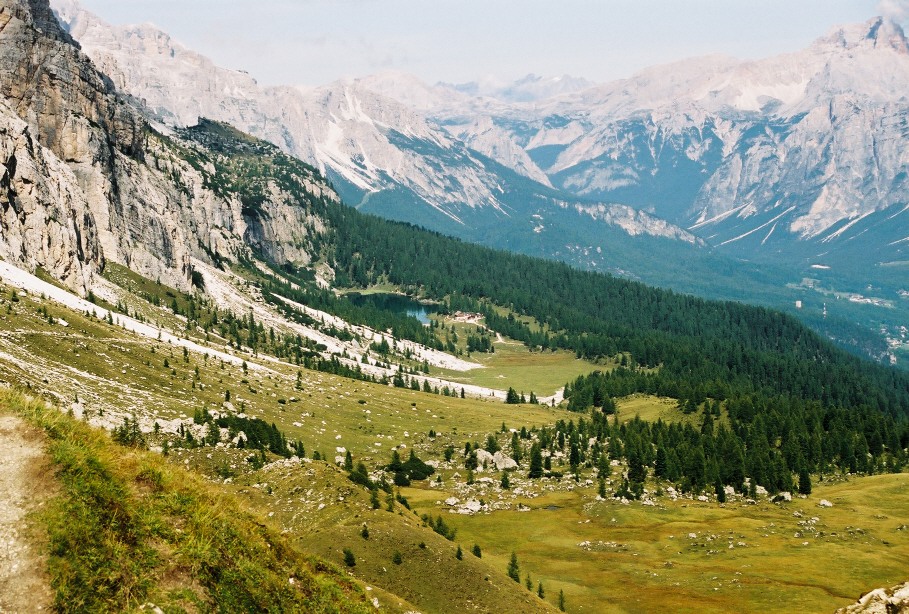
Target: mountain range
{"x": 211, "y": 374}
{"x": 727, "y": 178}
{"x": 797, "y": 155}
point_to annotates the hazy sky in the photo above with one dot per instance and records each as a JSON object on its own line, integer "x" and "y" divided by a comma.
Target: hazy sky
{"x": 312, "y": 42}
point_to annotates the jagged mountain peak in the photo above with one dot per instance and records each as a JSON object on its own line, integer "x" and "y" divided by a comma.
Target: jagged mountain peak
{"x": 879, "y": 33}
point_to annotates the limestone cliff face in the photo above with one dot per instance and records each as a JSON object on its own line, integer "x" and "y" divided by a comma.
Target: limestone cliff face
{"x": 44, "y": 216}
{"x": 84, "y": 178}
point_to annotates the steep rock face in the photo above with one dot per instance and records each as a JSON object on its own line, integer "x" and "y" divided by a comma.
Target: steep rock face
{"x": 86, "y": 179}
{"x": 45, "y": 219}
{"x": 362, "y": 139}
{"x": 74, "y": 113}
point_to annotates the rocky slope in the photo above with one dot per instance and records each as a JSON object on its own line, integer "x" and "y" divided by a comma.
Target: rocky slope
{"x": 86, "y": 179}
{"x": 384, "y": 155}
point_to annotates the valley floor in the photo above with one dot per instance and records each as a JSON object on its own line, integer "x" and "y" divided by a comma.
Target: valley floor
{"x": 812, "y": 554}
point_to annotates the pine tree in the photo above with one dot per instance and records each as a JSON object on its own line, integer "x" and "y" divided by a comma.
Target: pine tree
{"x": 506, "y": 483}
{"x": 349, "y": 559}
{"x": 459, "y": 554}
{"x": 804, "y": 482}
{"x": 374, "y": 499}
{"x": 536, "y": 462}
{"x": 514, "y": 571}
{"x": 660, "y": 468}
{"x": 540, "y": 592}
{"x": 516, "y": 448}
{"x": 561, "y": 600}
{"x": 476, "y": 551}
{"x": 720, "y": 492}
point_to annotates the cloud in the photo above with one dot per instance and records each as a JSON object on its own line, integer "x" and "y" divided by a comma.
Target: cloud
{"x": 897, "y": 10}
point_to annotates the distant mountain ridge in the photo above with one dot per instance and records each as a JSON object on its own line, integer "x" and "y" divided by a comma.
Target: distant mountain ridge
{"x": 798, "y": 155}
{"x": 383, "y": 156}
{"x": 794, "y": 158}
{"x": 771, "y": 181}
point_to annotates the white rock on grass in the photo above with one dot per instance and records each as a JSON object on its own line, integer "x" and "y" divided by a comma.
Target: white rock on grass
{"x": 503, "y": 461}
{"x": 825, "y": 503}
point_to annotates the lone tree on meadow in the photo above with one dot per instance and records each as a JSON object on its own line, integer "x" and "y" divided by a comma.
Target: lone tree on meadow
{"x": 349, "y": 559}
{"x": 514, "y": 572}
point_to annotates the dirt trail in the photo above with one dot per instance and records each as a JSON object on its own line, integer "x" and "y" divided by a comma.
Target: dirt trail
{"x": 25, "y": 485}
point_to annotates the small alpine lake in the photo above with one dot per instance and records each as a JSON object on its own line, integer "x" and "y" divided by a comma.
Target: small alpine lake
{"x": 396, "y": 303}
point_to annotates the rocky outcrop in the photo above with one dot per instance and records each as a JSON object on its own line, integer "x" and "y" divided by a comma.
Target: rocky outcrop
{"x": 85, "y": 179}
{"x": 881, "y": 601}
{"x": 44, "y": 217}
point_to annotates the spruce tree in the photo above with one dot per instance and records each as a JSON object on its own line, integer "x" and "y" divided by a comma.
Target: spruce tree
{"x": 516, "y": 448}
{"x": 349, "y": 559}
{"x": 514, "y": 571}
{"x": 720, "y": 492}
{"x": 536, "y": 462}
{"x": 660, "y": 468}
{"x": 804, "y": 482}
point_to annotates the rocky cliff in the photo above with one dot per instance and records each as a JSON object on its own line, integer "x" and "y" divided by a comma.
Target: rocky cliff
{"x": 85, "y": 178}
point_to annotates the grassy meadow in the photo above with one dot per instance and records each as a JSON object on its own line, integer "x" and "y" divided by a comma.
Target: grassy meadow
{"x": 606, "y": 556}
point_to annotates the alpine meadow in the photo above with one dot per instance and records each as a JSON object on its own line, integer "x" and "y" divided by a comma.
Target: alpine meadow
{"x": 381, "y": 345}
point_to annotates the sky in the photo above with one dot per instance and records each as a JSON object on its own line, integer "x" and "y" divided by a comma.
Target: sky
{"x": 313, "y": 42}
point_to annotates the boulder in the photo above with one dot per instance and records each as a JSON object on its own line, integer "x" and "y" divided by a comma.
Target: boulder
{"x": 882, "y": 600}
{"x": 503, "y": 461}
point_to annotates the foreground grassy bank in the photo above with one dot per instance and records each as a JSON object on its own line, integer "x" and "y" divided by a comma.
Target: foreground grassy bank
{"x": 127, "y": 529}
